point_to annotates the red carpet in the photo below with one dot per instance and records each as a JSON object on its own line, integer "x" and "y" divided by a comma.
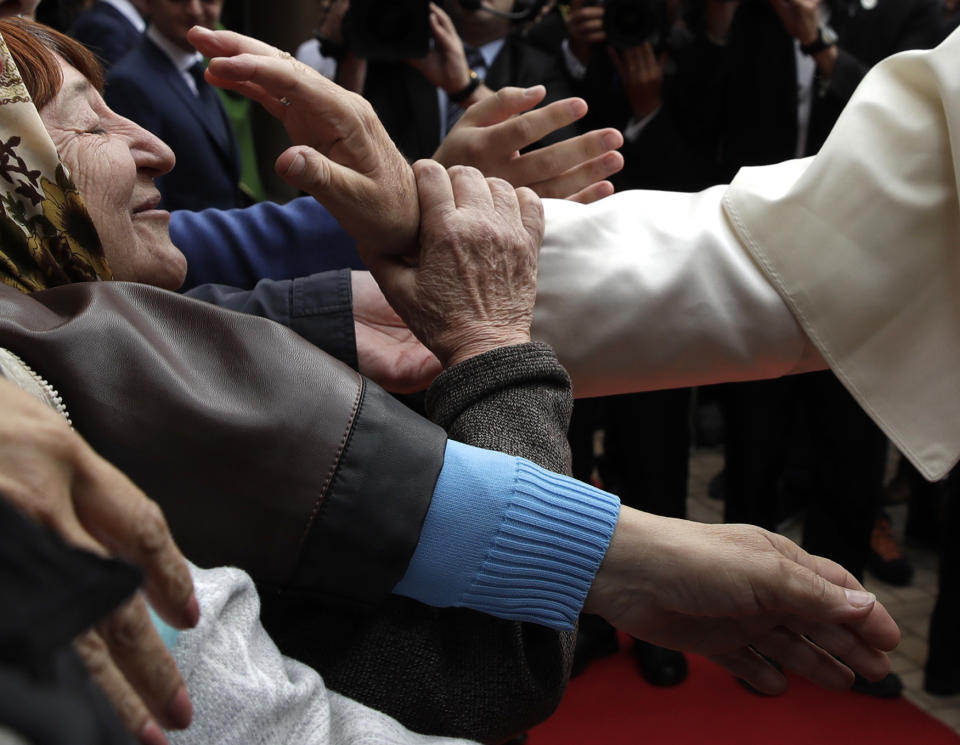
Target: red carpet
{"x": 611, "y": 704}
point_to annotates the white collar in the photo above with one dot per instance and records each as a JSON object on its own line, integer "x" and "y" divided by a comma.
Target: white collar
{"x": 128, "y": 11}
{"x": 182, "y": 60}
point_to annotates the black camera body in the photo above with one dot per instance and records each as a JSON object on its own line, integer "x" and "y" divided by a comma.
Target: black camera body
{"x": 388, "y": 30}
{"x": 394, "y": 30}
{"x": 630, "y": 23}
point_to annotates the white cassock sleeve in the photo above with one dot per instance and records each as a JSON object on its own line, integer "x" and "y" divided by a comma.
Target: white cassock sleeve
{"x": 851, "y": 257}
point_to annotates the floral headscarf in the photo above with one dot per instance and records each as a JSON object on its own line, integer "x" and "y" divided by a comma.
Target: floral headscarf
{"x": 46, "y": 235}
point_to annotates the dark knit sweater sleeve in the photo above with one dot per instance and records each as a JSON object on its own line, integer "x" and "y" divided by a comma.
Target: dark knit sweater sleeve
{"x": 513, "y": 399}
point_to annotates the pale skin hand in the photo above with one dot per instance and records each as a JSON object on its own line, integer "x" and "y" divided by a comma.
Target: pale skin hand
{"x": 473, "y": 284}
{"x": 388, "y": 352}
{"x": 641, "y": 72}
{"x": 490, "y": 135}
{"x": 724, "y": 591}
{"x": 53, "y": 476}
{"x": 343, "y": 156}
{"x": 584, "y": 28}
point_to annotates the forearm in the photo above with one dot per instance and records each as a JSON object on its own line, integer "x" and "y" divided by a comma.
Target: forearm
{"x": 647, "y": 290}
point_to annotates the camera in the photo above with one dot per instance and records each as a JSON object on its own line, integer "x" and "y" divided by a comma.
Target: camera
{"x": 388, "y": 30}
{"x": 394, "y": 30}
{"x": 630, "y": 23}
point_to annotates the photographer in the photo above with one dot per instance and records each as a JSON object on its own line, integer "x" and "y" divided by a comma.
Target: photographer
{"x": 624, "y": 55}
{"x": 787, "y": 69}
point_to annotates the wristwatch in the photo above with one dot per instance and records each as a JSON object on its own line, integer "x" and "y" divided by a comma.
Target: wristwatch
{"x": 826, "y": 37}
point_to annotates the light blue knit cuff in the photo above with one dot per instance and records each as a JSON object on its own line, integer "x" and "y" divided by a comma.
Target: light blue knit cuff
{"x": 508, "y": 538}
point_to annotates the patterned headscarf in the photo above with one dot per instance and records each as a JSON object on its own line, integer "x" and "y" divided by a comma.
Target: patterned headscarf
{"x": 46, "y": 235}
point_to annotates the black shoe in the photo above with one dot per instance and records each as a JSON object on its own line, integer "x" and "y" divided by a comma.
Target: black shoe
{"x": 659, "y": 666}
{"x": 595, "y": 639}
{"x": 941, "y": 681}
{"x": 889, "y": 687}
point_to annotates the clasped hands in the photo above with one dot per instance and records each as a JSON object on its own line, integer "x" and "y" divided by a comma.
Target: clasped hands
{"x": 455, "y": 254}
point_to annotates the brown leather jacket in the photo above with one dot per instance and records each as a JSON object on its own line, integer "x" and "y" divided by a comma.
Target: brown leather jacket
{"x": 182, "y": 396}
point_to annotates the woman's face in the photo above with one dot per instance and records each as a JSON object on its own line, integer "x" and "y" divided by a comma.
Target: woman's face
{"x": 18, "y": 7}
{"x": 113, "y": 162}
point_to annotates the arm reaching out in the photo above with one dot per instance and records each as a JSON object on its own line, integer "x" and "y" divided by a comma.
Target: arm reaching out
{"x": 731, "y": 591}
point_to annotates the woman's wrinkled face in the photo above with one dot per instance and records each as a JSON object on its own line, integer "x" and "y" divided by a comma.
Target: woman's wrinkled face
{"x": 113, "y": 162}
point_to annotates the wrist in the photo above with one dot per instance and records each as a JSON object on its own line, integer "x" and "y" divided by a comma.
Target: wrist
{"x": 464, "y": 93}
{"x": 475, "y": 345}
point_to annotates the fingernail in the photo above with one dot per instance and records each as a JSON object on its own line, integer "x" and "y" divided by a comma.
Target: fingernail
{"x": 859, "y": 598}
{"x": 533, "y": 91}
{"x": 151, "y": 734}
{"x": 297, "y": 166}
{"x": 612, "y": 140}
{"x": 191, "y": 614}
{"x": 180, "y": 710}
{"x": 578, "y": 107}
{"x": 202, "y": 30}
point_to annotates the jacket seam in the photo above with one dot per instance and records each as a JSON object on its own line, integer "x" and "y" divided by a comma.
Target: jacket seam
{"x": 334, "y": 466}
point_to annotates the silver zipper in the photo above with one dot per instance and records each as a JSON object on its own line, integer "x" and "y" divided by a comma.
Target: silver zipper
{"x": 53, "y": 397}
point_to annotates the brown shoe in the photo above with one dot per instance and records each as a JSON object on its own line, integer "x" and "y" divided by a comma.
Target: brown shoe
{"x": 886, "y": 560}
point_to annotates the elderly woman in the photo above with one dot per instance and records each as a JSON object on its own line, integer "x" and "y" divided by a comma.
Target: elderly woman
{"x": 348, "y": 474}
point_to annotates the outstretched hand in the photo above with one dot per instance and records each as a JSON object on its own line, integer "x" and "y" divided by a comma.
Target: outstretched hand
{"x": 52, "y": 475}
{"x": 735, "y": 592}
{"x": 388, "y": 352}
{"x": 473, "y": 284}
{"x": 491, "y": 133}
{"x": 343, "y": 156}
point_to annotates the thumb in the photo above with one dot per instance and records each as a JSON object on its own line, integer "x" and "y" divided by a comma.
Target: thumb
{"x": 802, "y": 592}
{"x": 310, "y": 171}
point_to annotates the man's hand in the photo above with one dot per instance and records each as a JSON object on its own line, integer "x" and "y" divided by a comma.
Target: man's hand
{"x": 584, "y": 28}
{"x": 52, "y": 475}
{"x": 473, "y": 285}
{"x": 388, "y": 352}
{"x": 491, "y": 133}
{"x": 730, "y": 592}
{"x": 801, "y": 18}
{"x": 641, "y": 73}
{"x": 445, "y": 66}
{"x": 343, "y": 157}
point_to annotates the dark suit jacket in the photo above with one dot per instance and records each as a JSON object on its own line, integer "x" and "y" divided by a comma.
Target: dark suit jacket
{"x": 758, "y": 124}
{"x": 407, "y": 105}
{"x": 106, "y": 32}
{"x": 146, "y": 87}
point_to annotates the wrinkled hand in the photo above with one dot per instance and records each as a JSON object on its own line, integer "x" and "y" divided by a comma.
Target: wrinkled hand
{"x": 445, "y": 65}
{"x": 584, "y": 28}
{"x": 730, "y": 591}
{"x": 388, "y": 352}
{"x": 52, "y": 475}
{"x": 343, "y": 157}
{"x": 801, "y": 18}
{"x": 473, "y": 285}
{"x": 491, "y": 133}
{"x": 641, "y": 73}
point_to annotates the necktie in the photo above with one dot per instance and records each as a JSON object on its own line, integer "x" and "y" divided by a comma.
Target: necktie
{"x": 212, "y": 108}
{"x": 476, "y": 63}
